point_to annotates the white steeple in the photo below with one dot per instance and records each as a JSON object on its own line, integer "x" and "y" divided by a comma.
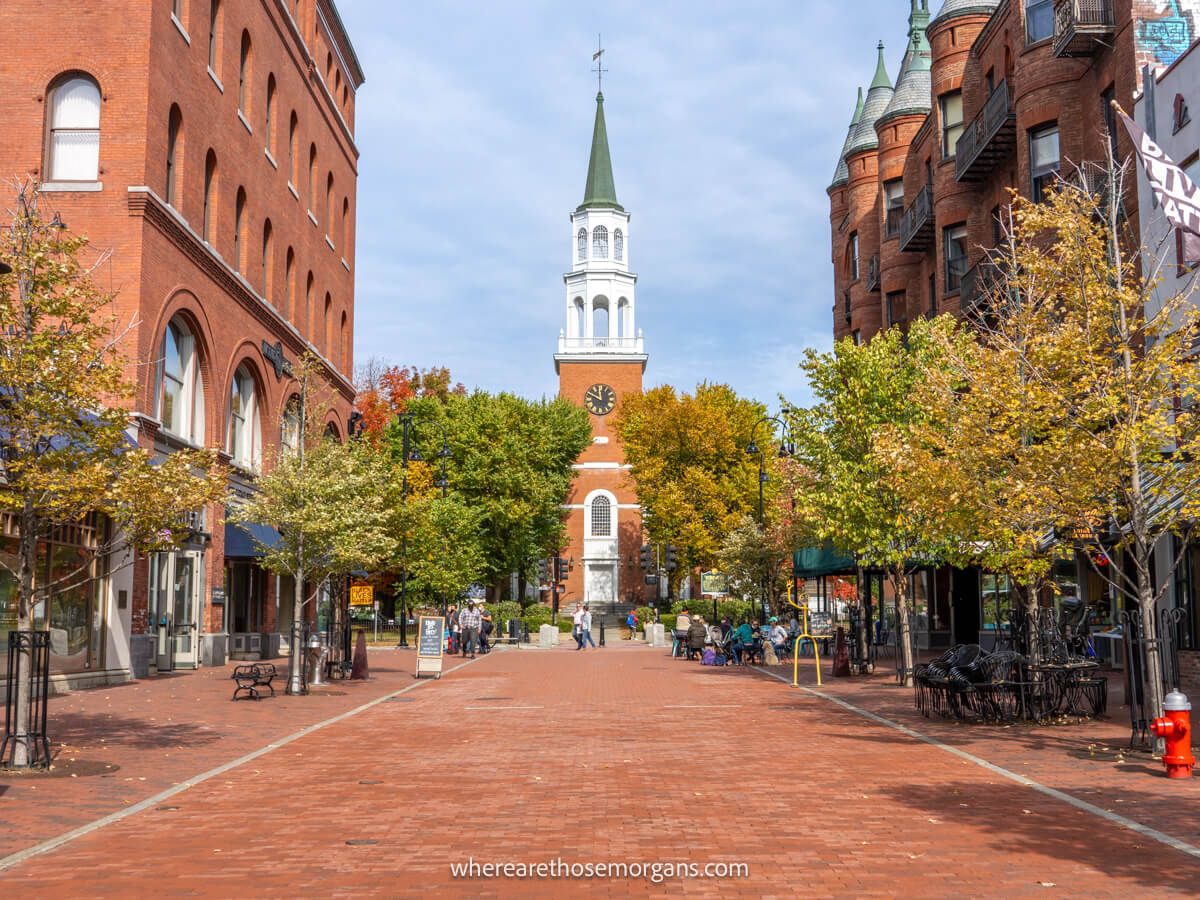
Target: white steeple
{"x": 601, "y": 309}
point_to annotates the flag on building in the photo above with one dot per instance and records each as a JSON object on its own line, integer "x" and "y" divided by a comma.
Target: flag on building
{"x": 1176, "y": 193}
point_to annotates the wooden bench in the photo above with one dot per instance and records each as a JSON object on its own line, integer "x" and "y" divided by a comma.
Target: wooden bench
{"x": 250, "y": 678}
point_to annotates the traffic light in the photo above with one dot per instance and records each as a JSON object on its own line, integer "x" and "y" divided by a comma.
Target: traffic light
{"x": 543, "y": 571}
{"x": 672, "y": 561}
{"x": 646, "y": 557}
{"x": 560, "y": 569}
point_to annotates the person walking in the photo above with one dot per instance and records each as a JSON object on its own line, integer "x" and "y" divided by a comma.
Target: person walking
{"x": 469, "y": 621}
{"x": 451, "y": 630}
{"x": 485, "y": 629}
{"x": 577, "y": 626}
{"x": 587, "y": 629}
{"x": 631, "y": 621}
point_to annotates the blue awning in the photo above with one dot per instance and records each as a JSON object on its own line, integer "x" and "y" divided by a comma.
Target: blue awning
{"x": 245, "y": 540}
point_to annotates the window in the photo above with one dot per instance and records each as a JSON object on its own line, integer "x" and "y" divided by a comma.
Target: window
{"x": 73, "y": 149}
{"x": 270, "y": 118}
{"x": 1110, "y": 120}
{"x": 312, "y": 176}
{"x": 345, "y": 226}
{"x": 856, "y": 336}
{"x": 267, "y": 260}
{"x": 1039, "y": 20}
{"x": 245, "y": 430}
{"x": 853, "y": 256}
{"x": 895, "y": 308}
{"x": 1043, "y": 160}
{"x": 290, "y": 277}
{"x": 180, "y": 384}
{"x": 997, "y": 218}
{"x": 305, "y": 314}
{"x": 329, "y": 205}
{"x": 244, "y": 76}
{"x": 344, "y": 343}
{"x": 327, "y": 327}
{"x": 581, "y": 244}
{"x": 293, "y": 128}
{"x": 846, "y": 305}
{"x": 210, "y": 197}
{"x": 932, "y": 294}
{"x": 289, "y": 426}
{"x": 600, "y": 242}
{"x": 956, "y": 256}
{"x": 174, "y": 126}
{"x": 601, "y": 517}
{"x": 214, "y": 34}
{"x": 578, "y": 319}
{"x": 952, "y": 124}
{"x": 177, "y": 9}
{"x": 623, "y": 318}
{"x": 239, "y": 227}
{"x": 893, "y": 204}
{"x": 618, "y": 245}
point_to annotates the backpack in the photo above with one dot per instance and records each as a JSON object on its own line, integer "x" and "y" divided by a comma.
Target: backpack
{"x": 708, "y": 657}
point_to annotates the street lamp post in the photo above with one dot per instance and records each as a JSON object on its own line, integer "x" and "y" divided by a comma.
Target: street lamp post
{"x": 786, "y": 448}
{"x": 444, "y": 456}
{"x": 409, "y": 453}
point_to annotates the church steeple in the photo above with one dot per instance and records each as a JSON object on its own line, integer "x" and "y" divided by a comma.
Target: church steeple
{"x": 599, "y": 190}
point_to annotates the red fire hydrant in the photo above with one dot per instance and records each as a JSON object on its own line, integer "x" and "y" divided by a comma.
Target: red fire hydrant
{"x": 1175, "y": 728}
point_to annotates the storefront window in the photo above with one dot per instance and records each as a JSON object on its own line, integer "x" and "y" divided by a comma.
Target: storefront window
{"x": 996, "y": 602}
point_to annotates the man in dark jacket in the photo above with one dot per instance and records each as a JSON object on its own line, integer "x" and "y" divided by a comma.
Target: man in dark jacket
{"x": 697, "y": 635}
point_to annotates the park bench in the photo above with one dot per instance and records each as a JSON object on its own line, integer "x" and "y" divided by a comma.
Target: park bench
{"x": 250, "y": 678}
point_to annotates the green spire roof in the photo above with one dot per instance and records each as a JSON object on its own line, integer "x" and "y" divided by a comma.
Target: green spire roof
{"x": 600, "y": 190}
{"x": 842, "y": 174}
{"x": 881, "y": 76}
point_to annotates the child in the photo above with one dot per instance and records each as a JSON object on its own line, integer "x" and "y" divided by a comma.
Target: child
{"x": 632, "y": 621}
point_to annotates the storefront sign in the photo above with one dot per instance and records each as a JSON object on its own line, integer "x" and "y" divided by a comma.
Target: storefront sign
{"x": 430, "y": 638}
{"x": 361, "y": 595}
{"x": 714, "y": 584}
{"x": 218, "y": 596}
{"x": 274, "y": 355}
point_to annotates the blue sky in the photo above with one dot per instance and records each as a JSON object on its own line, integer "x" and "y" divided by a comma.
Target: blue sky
{"x": 724, "y": 121}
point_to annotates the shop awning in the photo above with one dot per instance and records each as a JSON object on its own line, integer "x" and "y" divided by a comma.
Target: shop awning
{"x": 811, "y": 562}
{"x": 246, "y": 539}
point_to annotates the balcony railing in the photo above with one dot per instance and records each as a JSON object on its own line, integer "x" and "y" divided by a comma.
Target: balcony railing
{"x": 977, "y": 289}
{"x": 601, "y": 344}
{"x": 916, "y": 225}
{"x": 1081, "y": 27}
{"x": 989, "y": 138}
{"x": 873, "y": 273}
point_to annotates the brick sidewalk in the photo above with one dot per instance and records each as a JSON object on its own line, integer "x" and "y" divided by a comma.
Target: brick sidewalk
{"x": 617, "y": 755}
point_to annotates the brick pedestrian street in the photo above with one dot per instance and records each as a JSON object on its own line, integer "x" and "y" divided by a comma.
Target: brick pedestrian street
{"x": 616, "y": 755}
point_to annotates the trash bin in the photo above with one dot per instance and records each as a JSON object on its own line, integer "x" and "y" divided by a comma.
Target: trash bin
{"x": 317, "y": 654}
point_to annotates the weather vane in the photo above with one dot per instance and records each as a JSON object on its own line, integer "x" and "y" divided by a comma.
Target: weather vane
{"x": 599, "y": 70}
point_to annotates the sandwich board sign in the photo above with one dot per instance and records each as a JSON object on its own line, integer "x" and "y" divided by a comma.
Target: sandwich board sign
{"x": 430, "y": 635}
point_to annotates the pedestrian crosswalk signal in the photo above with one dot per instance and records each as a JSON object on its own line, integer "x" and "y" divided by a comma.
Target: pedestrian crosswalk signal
{"x": 560, "y": 569}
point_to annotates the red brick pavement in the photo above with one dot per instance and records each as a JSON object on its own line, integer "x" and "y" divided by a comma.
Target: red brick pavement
{"x": 625, "y": 755}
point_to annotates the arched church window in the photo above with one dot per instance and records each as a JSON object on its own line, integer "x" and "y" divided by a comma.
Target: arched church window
{"x": 600, "y": 319}
{"x": 600, "y": 242}
{"x": 618, "y": 245}
{"x": 601, "y": 517}
{"x": 581, "y": 244}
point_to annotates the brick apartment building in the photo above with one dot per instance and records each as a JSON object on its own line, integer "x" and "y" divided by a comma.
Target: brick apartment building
{"x": 209, "y": 144}
{"x": 990, "y": 95}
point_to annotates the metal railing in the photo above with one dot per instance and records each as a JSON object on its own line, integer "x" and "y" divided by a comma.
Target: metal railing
{"x": 916, "y": 225}
{"x": 603, "y": 344}
{"x": 1080, "y": 24}
{"x": 986, "y": 139}
{"x": 977, "y": 287}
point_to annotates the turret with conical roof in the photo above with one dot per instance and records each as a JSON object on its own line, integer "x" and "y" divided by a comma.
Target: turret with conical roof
{"x": 879, "y": 94}
{"x": 912, "y": 93}
{"x": 952, "y": 8}
{"x": 599, "y": 190}
{"x": 842, "y": 174}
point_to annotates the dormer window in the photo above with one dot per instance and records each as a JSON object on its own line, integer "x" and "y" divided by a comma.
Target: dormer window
{"x": 600, "y": 242}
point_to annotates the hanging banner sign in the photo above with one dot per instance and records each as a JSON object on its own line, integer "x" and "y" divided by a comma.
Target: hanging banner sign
{"x": 362, "y": 595}
{"x": 431, "y": 632}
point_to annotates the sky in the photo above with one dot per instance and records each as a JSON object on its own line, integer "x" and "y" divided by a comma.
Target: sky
{"x": 724, "y": 123}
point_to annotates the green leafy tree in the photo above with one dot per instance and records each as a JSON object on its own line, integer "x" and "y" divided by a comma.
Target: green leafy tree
{"x": 751, "y": 555}
{"x": 66, "y": 451}
{"x": 444, "y": 555}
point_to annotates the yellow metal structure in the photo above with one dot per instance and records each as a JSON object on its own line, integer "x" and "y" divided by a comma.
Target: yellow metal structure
{"x": 803, "y": 607}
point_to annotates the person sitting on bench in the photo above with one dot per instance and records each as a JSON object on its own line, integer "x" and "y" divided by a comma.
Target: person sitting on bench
{"x": 697, "y": 636}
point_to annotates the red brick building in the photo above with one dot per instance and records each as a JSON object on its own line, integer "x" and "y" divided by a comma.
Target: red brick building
{"x": 600, "y": 360}
{"x": 209, "y": 144}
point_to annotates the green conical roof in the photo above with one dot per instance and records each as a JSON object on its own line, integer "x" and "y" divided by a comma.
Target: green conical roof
{"x": 881, "y": 76}
{"x": 842, "y": 174}
{"x": 600, "y": 190}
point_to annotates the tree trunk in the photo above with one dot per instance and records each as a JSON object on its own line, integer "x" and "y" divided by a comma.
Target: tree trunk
{"x": 1152, "y": 678}
{"x": 864, "y": 626}
{"x": 295, "y": 683}
{"x": 22, "y": 755}
{"x": 903, "y": 631}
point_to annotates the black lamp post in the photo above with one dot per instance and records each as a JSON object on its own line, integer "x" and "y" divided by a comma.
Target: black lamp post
{"x": 444, "y": 456}
{"x": 786, "y": 448}
{"x": 409, "y": 453}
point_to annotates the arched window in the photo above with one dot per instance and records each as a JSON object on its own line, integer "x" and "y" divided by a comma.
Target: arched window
{"x": 290, "y": 276}
{"x": 74, "y": 144}
{"x": 244, "y": 442}
{"x": 344, "y": 340}
{"x": 329, "y": 205}
{"x": 174, "y": 128}
{"x": 289, "y": 426}
{"x": 618, "y": 245}
{"x": 578, "y": 323}
{"x": 581, "y": 244}
{"x": 601, "y": 516}
{"x": 345, "y": 226}
{"x": 312, "y": 177}
{"x": 239, "y": 228}
{"x": 328, "y": 65}
{"x": 267, "y": 259}
{"x": 293, "y": 138}
{"x": 244, "y": 73}
{"x": 180, "y": 384}
{"x": 327, "y": 327}
{"x": 337, "y": 82}
{"x": 214, "y": 35}
{"x": 600, "y": 322}
{"x": 210, "y": 197}
{"x": 600, "y": 242}
{"x": 304, "y": 320}
{"x": 270, "y": 118}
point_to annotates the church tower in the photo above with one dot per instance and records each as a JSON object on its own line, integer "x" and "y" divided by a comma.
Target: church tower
{"x": 600, "y": 361}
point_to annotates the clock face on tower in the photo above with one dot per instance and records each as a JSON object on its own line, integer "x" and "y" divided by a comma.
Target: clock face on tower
{"x": 600, "y": 399}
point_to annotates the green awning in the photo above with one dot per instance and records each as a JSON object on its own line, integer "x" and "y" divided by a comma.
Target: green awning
{"x": 811, "y": 562}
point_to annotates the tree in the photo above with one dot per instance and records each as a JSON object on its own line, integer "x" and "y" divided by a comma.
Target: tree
{"x": 688, "y": 461}
{"x": 845, "y": 491}
{"x": 66, "y": 453}
{"x": 752, "y": 554}
{"x": 333, "y": 504}
{"x": 385, "y": 391}
{"x": 444, "y": 555}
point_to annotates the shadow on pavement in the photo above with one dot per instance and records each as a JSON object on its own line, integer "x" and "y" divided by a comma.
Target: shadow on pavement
{"x": 86, "y": 729}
